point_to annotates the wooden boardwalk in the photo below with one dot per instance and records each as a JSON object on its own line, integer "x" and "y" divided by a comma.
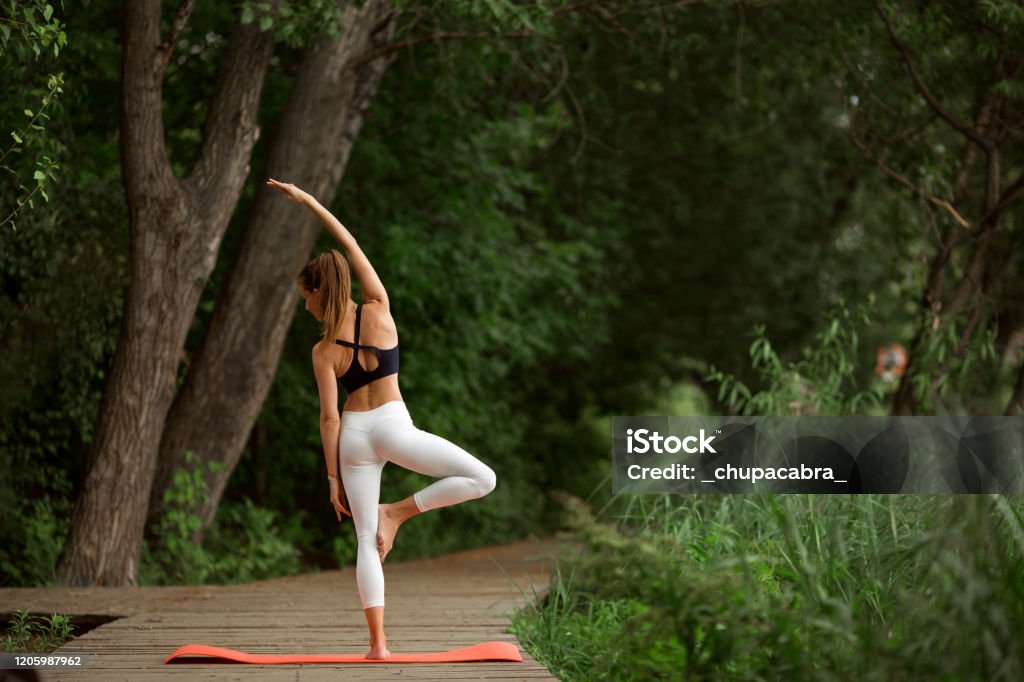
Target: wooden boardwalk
{"x": 433, "y": 604}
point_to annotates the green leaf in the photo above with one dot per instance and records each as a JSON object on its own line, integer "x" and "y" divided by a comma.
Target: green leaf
{"x": 266, "y": 22}
{"x": 48, "y": 12}
{"x": 247, "y": 15}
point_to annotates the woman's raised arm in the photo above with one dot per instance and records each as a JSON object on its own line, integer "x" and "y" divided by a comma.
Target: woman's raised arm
{"x": 373, "y": 289}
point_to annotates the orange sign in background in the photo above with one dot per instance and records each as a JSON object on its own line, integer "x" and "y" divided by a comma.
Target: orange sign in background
{"x": 891, "y": 361}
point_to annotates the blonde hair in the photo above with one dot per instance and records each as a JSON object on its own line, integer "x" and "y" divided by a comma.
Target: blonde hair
{"x": 329, "y": 272}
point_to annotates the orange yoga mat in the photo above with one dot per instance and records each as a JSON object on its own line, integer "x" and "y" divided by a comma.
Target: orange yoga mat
{"x": 487, "y": 651}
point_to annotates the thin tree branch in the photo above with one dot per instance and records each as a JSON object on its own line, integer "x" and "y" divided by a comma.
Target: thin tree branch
{"x": 1008, "y": 196}
{"x": 564, "y": 76}
{"x": 618, "y": 27}
{"x": 926, "y": 92}
{"x": 583, "y": 124}
{"x": 181, "y": 16}
{"x": 908, "y": 134}
{"x": 934, "y": 228}
{"x": 385, "y": 21}
{"x": 903, "y": 180}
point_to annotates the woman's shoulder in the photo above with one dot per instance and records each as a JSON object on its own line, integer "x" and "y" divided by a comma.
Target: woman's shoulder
{"x": 378, "y": 313}
{"x": 377, "y": 307}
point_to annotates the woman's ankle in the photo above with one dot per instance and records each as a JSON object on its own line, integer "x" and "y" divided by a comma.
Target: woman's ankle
{"x": 404, "y": 510}
{"x": 413, "y": 508}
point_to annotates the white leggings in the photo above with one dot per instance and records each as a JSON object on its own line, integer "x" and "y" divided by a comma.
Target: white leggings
{"x": 387, "y": 434}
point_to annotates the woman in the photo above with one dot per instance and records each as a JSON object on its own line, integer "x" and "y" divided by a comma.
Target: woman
{"x": 375, "y": 427}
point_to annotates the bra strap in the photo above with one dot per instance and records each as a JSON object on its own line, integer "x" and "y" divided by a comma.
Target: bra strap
{"x": 359, "y": 311}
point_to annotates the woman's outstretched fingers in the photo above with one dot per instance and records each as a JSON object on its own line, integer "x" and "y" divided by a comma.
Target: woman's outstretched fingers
{"x": 289, "y": 189}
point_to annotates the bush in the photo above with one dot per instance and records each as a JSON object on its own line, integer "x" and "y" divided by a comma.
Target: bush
{"x": 42, "y": 532}
{"x": 245, "y": 542}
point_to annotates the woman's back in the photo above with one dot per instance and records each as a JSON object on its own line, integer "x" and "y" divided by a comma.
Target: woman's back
{"x": 367, "y": 347}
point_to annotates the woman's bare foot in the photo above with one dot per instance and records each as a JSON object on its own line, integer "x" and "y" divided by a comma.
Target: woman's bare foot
{"x": 387, "y": 525}
{"x": 379, "y": 649}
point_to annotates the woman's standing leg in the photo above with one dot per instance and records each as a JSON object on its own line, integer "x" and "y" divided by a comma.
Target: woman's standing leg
{"x": 360, "y": 470}
{"x": 462, "y": 476}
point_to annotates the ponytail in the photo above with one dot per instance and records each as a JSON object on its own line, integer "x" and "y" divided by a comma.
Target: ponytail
{"x": 329, "y": 272}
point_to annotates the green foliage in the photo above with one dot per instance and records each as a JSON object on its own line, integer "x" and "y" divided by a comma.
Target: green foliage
{"x": 176, "y": 555}
{"x": 36, "y": 635}
{"x": 572, "y": 218}
{"x": 40, "y": 526}
{"x": 245, "y": 543}
{"x": 787, "y": 587}
{"x": 959, "y": 51}
{"x": 59, "y": 320}
{"x": 252, "y": 543}
{"x": 537, "y": 20}
{"x": 62, "y": 274}
{"x": 33, "y": 22}
{"x": 961, "y": 366}
{"x": 817, "y": 383}
{"x": 28, "y": 28}
{"x": 295, "y": 22}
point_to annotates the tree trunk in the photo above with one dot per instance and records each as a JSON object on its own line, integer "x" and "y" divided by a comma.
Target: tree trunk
{"x": 231, "y": 373}
{"x": 176, "y": 227}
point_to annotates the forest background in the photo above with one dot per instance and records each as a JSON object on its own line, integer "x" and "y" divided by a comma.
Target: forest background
{"x": 579, "y": 209}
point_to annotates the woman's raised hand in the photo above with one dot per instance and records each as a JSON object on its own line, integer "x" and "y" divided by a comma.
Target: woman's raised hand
{"x": 291, "y": 191}
{"x": 335, "y": 498}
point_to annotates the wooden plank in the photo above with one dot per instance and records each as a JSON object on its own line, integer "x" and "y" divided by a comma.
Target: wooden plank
{"x": 434, "y": 604}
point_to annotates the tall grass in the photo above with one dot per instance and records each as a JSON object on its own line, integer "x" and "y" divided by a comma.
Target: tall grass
{"x": 793, "y": 587}
{"x": 796, "y": 587}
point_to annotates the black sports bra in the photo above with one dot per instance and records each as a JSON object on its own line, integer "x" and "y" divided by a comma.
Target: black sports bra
{"x": 356, "y": 377}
